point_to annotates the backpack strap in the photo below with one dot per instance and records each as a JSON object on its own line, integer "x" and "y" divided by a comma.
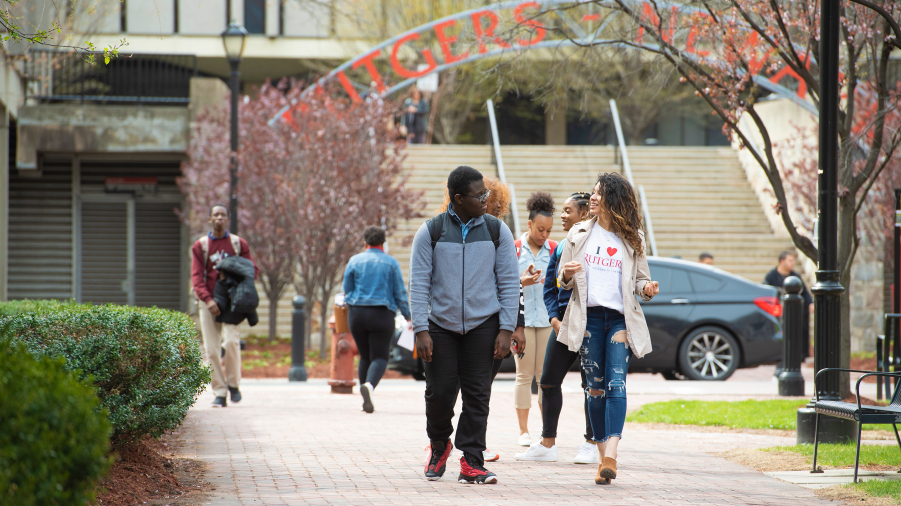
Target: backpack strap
{"x": 205, "y": 251}
{"x": 494, "y": 229}
{"x": 236, "y": 244}
{"x": 435, "y": 225}
{"x": 518, "y": 245}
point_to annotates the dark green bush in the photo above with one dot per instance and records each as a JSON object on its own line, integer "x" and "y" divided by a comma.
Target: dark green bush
{"x": 145, "y": 362}
{"x": 54, "y": 437}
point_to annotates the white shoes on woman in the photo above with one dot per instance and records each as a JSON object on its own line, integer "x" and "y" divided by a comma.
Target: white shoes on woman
{"x": 538, "y": 453}
{"x": 587, "y": 454}
{"x": 525, "y": 439}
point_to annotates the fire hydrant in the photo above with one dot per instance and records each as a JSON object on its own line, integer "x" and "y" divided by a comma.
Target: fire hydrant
{"x": 344, "y": 349}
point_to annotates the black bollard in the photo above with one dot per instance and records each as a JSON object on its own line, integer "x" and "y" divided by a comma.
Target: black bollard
{"x": 297, "y": 372}
{"x": 791, "y": 382}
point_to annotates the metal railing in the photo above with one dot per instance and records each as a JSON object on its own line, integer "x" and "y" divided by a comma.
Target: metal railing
{"x": 58, "y": 77}
{"x": 649, "y": 227}
{"x": 500, "y": 167}
{"x": 886, "y": 360}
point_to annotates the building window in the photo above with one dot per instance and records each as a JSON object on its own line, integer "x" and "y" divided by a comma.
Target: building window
{"x": 255, "y": 16}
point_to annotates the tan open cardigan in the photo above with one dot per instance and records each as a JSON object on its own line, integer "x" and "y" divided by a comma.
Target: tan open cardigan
{"x": 635, "y": 275}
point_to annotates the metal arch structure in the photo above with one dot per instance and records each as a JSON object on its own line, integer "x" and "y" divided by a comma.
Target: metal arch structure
{"x": 485, "y": 35}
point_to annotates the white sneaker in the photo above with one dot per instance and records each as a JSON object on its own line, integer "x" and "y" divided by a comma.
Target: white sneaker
{"x": 539, "y": 453}
{"x": 587, "y": 454}
{"x": 489, "y": 456}
{"x": 525, "y": 439}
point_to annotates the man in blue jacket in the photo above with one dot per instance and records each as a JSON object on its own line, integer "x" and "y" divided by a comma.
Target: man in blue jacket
{"x": 464, "y": 297}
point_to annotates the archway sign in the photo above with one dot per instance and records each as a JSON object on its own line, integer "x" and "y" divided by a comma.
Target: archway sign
{"x": 475, "y": 34}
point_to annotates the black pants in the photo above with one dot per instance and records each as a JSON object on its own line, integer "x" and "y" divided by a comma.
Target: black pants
{"x": 557, "y": 362}
{"x": 372, "y": 327}
{"x": 460, "y": 363}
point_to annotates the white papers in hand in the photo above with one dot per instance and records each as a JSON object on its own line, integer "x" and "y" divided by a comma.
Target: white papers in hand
{"x": 406, "y": 338}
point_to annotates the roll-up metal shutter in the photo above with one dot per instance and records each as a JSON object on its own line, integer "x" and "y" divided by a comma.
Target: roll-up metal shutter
{"x": 104, "y": 252}
{"x": 158, "y": 256}
{"x": 40, "y": 233}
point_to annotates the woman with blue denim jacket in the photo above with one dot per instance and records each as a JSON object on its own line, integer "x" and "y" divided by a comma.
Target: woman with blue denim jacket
{"x": 374, "y": 292}
{"x": 604, "y": 263}
{"x": 558, "y": 360}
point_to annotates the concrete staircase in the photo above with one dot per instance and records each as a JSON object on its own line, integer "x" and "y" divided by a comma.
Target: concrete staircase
{"x": 699, "y": 200}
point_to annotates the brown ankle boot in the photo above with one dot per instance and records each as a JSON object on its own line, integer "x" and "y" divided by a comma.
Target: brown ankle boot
{"x": 608, "y": 469}
{"x": 600, "y": 480}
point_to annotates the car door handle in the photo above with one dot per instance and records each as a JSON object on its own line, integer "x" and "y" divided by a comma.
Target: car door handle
{"x": 679, "y": 301}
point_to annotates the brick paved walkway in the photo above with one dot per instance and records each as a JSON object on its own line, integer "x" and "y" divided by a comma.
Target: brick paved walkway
{"x": 288, "y": 444}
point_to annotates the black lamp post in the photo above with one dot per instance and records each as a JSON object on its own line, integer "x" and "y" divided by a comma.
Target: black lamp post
{"x": 828, "y": 290}
{"x": 233, "y": 39}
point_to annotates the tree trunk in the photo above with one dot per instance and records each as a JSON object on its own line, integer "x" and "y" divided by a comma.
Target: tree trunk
{"x": 846, "y": 233}
{"x": 309, "y": 303}
{"x": 325, "y": 339}
{"x": 273, "y": 316}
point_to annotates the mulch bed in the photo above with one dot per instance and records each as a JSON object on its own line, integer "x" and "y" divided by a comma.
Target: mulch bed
{"x": 148, "y": 471}
{"x": 277, "y": 361}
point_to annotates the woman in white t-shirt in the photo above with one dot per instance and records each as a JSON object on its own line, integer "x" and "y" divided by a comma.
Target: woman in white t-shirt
{"x": 604, "y": 263}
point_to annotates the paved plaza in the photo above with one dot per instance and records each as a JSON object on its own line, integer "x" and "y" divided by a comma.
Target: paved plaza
{"x": 296, "y": 443}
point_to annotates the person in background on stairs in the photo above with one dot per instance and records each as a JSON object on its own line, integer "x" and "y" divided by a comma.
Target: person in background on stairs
{"x": 776, "y": 278}
{"x": 705, "y": 258}
{"x": 499, "y": 207}
{"x": 374, "y": 292}
{"x": 533, "y": 250}
{"x": 605, "y": 265}
{"x": 558, "y": 359}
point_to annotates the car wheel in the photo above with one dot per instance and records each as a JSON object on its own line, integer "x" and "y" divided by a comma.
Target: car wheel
{"x": 671, "y": 376}
{"x": 709, "y": 354}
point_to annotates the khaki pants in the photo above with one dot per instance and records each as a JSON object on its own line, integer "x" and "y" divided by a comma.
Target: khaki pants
{"x": 530, "y": 366}
{"x": 213, "y": 336}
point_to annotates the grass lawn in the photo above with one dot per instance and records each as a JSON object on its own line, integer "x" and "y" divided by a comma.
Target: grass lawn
{"x": 751, "y": 414}
{"x": 880, "y": 488}
{"x": 839, "y": 455}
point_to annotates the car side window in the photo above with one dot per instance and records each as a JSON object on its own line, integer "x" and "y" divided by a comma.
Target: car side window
{"x": 680, "y": 282}
{"x": 705, "y": 283}
{"x": 662, "y": 275}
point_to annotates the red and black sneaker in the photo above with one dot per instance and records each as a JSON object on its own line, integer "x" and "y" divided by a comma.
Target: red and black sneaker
{"x": 437, "y": 459}
{"x": 471, "y": 471}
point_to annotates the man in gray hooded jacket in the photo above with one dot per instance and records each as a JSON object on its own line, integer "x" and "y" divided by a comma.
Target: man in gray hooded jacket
{"x": 464, "y": 297}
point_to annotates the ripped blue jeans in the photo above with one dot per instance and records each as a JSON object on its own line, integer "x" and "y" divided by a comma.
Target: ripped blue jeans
{"x": 605, "y": 363}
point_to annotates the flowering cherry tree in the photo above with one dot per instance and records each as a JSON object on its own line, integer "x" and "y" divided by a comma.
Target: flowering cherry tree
{"x": 265, "y": 188}
{"x": 308, "y": 185}
{"x": 347, "y": 165}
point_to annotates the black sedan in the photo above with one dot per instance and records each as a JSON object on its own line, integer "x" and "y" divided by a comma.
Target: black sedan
{"x": 704, "y": 324}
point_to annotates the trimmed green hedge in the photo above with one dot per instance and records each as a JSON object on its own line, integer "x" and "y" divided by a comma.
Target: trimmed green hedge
{"x": 145, "y": 362}
{"x": 54, "y": 437}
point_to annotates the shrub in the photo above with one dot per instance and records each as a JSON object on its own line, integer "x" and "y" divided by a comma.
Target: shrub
{"x": 145, "y": 362}
{"x": 54, "y": 437}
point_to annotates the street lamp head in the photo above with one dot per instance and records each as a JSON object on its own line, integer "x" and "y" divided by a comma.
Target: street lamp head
{"x": 233, "y": 39}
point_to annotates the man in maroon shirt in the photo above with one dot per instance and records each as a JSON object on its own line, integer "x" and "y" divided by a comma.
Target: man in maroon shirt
{"x": 205, "y": 254}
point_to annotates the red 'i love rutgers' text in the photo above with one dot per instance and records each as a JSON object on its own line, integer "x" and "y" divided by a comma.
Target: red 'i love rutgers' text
{"x": 603, "y": 262}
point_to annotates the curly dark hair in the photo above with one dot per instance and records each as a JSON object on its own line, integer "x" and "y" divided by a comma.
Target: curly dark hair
{"x": 459, "y": 180}
{"x": 540, "y": 203}
{"x": 374, "y": 236}
{"x": 580, "y": 199}
{"x": 618, "y": 198}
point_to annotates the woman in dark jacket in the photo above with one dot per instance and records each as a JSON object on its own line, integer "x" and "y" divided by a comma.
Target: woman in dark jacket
{"x": 416, "y": 117}
{"x": 374, "y": 292}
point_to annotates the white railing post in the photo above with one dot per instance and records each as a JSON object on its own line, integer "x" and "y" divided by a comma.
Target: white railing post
{"x": 627, "y": 168}
{"x": 500, "y": 166}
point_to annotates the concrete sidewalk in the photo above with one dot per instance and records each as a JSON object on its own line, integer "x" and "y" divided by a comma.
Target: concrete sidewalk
{"x": 288, "y": 444}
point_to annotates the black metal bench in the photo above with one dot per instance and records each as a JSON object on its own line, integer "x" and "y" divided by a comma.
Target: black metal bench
{"x": 861, "y": 414}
